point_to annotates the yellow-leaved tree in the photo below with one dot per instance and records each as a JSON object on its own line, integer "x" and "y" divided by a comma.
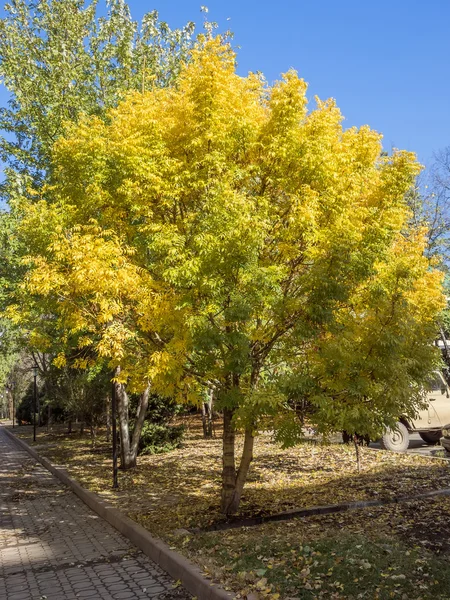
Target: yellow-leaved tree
{"x": 218, "y": 234}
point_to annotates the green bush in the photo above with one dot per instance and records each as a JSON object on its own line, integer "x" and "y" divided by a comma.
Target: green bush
{"x": 157, "y": 438}
{"x": 25, "y": 407}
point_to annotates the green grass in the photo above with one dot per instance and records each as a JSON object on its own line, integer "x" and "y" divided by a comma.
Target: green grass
{"x": 359, "y": 555}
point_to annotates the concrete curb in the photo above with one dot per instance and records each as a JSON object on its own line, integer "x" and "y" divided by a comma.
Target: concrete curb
{"x": 176, "y": 565}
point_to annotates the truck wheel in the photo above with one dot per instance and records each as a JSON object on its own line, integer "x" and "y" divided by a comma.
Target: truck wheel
{"x": 431, "y": 437}
{"x": 395, "y": 440}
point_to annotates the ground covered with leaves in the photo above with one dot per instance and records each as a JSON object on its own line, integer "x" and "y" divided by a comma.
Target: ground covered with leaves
{"x": 400, "y": 551}
{"x": 395, "y": 551}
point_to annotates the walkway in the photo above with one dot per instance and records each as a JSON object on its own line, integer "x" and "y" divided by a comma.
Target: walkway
{"x": 53, "y": 547}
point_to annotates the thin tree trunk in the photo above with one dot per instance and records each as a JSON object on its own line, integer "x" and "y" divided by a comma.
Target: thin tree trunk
{"x": 234, "y": 498}
{"x": 207, "y": 408}
{"x": 129, "y": 445}
{"x": 228, "y": 460}
{"x": 140, "y": 418}
{"x": 205, "y": 430}
{"x": 232, "y": 482}
{"x": 9, "y": 395}
{"x": 209, "y": 414}
{"x": 357, "y": 450}
{"x": 108, "y": 419}
{"x": 123, "y": 418}
{"x": 93, "y": 429}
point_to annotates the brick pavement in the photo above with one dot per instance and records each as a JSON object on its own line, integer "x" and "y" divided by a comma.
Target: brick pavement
{"x": 52, "y": 546}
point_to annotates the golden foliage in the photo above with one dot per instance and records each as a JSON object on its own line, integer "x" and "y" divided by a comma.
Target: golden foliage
{"x": 218, "y": 227}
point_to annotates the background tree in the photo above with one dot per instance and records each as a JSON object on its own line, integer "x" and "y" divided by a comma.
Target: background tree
{"x": 80, "y": 394}
{"x": 59, "y": 60}
{"x": 430, "y": 204}
{"x": 438, "y": 201}
{"x": 216, "y": 233}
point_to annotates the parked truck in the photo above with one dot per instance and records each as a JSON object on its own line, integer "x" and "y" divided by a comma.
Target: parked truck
{"x": 428, "y": 422}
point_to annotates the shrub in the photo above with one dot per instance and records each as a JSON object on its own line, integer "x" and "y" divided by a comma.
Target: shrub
{"x": 158, "y": 438}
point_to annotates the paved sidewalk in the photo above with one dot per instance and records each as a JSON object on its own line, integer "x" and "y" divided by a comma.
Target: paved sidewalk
{"x": 52, "y": 546}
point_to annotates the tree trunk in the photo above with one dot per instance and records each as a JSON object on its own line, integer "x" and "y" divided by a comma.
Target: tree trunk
{"x": 210, "y": 404}
{"x": 205, "y": 431}
{"x": 357, "y": 450}
{"x": 139, "y": 423}
{"x": 9, "y": 395}
{"x": 126, "y": 461}
{"x": 108, "y": 419}
{"x": 232, "y": 482}
{"x": 81, "y": 428}
{"x": 228, "y": 460}
{"x": 129, "y": 444}
{"x": 207, "y": 421}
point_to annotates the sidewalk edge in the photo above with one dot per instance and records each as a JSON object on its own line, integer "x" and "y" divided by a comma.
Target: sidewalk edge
{"x": 176, "y": 565}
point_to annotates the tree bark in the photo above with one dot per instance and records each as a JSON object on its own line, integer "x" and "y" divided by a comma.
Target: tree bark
{"x": 207, "y": 415}
{"x": 358, "y": 454}
{"x": 129, "y": 444}
{"x": 140, "y": 418}
{"x": 228, "y": 461}
{"x": 232, "y": 499}
{"x": 233, "y": 482}
{"x": 126, "y": 461}
{"x": 108, "y": 419}
{"x": 205, "y": 430}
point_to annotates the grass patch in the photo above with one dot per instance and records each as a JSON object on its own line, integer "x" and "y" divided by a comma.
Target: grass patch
{"x": 377, "y": 554}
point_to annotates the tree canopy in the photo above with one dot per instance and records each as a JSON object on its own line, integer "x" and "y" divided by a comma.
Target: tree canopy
{"x": 60, "y": 59}
{"x": 216, "y": 233}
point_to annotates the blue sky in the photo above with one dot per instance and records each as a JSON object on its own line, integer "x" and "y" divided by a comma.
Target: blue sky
{"x": 386, "y": 62}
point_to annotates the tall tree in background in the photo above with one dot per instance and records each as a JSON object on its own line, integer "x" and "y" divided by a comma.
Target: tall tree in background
{"x": 58, "y": 60}
{"x": 216, "y": 233}
{"x": 430, "y": 206}
{"x": 439, "y": 217}
{"x": 11, "y": 272}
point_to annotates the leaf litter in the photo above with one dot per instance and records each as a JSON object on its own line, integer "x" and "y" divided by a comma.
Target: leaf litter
{"x": 345, "y": 555}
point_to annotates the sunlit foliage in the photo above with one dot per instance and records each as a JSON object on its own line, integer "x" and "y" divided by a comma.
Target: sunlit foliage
{"x": 217, "y": 233}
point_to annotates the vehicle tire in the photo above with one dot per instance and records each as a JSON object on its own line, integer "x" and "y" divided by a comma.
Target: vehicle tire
{"x": 395, "y": 440}
{"x": 431, "y": 437}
